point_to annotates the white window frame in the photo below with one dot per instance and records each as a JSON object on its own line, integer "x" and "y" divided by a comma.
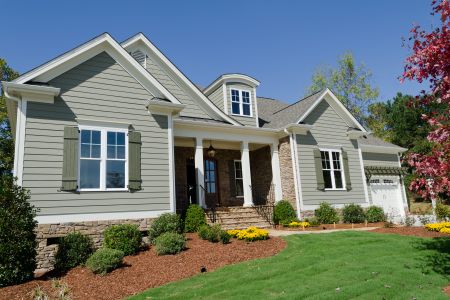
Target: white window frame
{"x": 241, "y": 102}
{"x": 103, "y": 157}
{"x": 332, "y": 170}
{"x": 235, "y": 177}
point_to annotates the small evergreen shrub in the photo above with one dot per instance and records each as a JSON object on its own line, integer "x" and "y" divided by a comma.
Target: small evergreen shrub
{"x": 326, "y": 214}
{"x": 168, "y": 222}
{"x": 283, "y": 212}
{"x": 170, "y": 243}
{"x": 353, "y": 213}
{"x": 123, "y": 237}
{"x": 224, "y": 237}
{"x": 104, "y": 260}
{"x": 442, "y": 212}
{"x": 203, "y": 232}
{"x": 195, "y": 217}
{"x": 73, "y": 250}
{"x": 213, "y": 234}
{"x": 375, "y": 214}
{"x": 313, "y": 222}
{"x": 17, "y": 236}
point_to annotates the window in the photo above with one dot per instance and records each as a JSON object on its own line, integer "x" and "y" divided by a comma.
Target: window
{"x": 240, "y": 103}
{"x": 103, "y": 163}
{"x": 239, "y": 183}
{"x": 332, "y": 169}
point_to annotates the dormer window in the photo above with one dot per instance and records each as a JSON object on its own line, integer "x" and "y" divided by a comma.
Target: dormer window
{"x": 240, "y": 103}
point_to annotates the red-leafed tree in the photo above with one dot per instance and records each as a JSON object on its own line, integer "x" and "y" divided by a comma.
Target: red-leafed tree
{"x": 430, "y": 61}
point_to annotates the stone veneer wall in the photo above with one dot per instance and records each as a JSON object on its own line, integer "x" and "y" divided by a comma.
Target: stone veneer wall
{"x": 287, "y": 175}
{"x": 47, "y": 232}
{"x": 261, "y": 172}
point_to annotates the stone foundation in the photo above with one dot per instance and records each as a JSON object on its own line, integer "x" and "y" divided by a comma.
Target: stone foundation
{"x": 287, "y": 173}
{"x": 48, "y": 234}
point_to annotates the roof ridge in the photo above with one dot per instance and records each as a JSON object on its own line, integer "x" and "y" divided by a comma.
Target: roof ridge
{"x": 298, "y": 101}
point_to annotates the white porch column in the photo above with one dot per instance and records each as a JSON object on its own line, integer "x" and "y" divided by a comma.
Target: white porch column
{"x": 199, "y": 167}
{"x": 246, "y": 174}
{"x": 276, "y": 177}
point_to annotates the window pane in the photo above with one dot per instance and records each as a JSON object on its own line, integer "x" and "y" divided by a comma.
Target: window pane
{"x": 246, "y": 109}
{"x": 338, "y": 179}
{"x": 89, "y": 174}
{"x": 327, "y": 179}
{"x": 239, "y": 187}
{"x": 95, "y": 151}
{"x": 246, "y": 97}
{"x": 85, "y": 136}
{"x": 120, "y": 152}
{"x": 235, "y": 108}
{"x": 85, "y": 150}
{"x": 111, "y": 152}
{"x": 336, "y": 160}
{"x": 325, "y": 159}
{"x": 212, "y": 176}
{"x": 120, "y": 138}
{"x": 115, "y": 174}
{"x": 234, "y": 95}
{"x": 95, "y": 137}
{"x": 111, "y": 138}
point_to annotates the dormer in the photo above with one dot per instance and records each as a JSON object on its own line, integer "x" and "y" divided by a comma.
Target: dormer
{"x": 235, "y": 94}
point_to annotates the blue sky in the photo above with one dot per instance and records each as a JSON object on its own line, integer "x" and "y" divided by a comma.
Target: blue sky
{"x": 280, "y": 43}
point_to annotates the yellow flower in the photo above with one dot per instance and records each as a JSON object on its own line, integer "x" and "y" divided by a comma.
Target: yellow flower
{"x": 437, "y": 226}
{"x": 445, "y": 230}
{"x": 299, "y": 224}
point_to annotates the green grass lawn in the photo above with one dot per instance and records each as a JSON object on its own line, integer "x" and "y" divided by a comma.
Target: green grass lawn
{"x": 342, "y": 265}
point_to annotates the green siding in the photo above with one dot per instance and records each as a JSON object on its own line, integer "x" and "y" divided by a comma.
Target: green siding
{"x": 217, "y": 98}
{"x": 97, "y": 89}
{"x": 329, "y": 131}
{"x": 380, "y": 159}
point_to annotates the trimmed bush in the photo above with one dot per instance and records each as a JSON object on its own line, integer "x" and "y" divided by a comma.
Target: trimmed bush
{"x": 353, "y": 213}
{"x": 170, "y": 243}
{"x": 375, "y": 214}
{"x": 312, "y": 221}
{"x": 17, "y": 236}
{"x": 168, "y": 222}
{"x": 203, "y": 232}
{"x": 442, "y": 212}
{"x": 195, "y": 217}
{"x": 326, "y": 214}
{"x": 104, "y": 260}
{"x": 283, "y": 212}
{"x": 124, "y": 237}
{"x": 224, "y": 237}
{"x": 213, "y": 234}
{"x": 73, "y": 250}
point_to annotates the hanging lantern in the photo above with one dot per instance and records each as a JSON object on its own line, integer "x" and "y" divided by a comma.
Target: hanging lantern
{"x": 211, "y": 151}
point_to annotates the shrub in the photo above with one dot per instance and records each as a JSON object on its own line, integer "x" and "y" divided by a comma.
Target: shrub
{"x": 73, "y": 250}
{"x": 17, "y": 236}
{"x": 283, "y": 212}
{"x": 326, "y": 214}
{"x": 124, "y": 237}
{"x": 442, "y": 212}
{"x": 195, "y": 217}
{"x": 213, "y": 234}
{"x": 375, "y": 214}
{"x": 353, "y": 213}
{"x": 105, "y": 260}
{"x": 168, "y": 222}
{"x": 312, "y": 221}
{"x": 170, "y": 243}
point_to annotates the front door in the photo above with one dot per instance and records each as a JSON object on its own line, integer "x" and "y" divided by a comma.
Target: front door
{"x": 211, "y": 183}
{"x": 191, "y": 181}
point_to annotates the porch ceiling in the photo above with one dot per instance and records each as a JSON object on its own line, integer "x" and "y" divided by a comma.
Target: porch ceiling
{"x": 218, "y": 144}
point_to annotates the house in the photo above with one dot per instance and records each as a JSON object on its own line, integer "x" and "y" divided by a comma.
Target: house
{"x": 114, "y": 132}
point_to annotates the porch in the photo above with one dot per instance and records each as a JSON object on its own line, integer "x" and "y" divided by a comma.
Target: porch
{"x": 221, "y": 175}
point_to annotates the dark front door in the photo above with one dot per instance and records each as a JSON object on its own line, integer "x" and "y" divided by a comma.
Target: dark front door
{"x": 211, "y": 183}
{"x": 191, "y": 181}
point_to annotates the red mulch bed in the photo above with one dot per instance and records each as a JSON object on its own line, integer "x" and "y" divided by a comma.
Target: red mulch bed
{"x": 414, "y": 231}
{"x": 147, "y": 270}
{"x": 331, "y": 226}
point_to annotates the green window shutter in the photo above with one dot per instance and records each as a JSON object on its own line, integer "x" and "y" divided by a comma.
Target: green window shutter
{"x": 319, "y": 172}
{"x": 134, "y": 160}
{"x": 70, "y": 159}
{"x": 348, "y": 183}
{"x": 232, "y": 179}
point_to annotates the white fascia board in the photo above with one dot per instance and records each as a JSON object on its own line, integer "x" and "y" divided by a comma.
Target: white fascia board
{"x": 106, "y": 43}
{"x": 143, "y": 39}
{"x": 339, "y": 105}
{"x": 31, "y": 93}
{"x": 235, "y": 77}
{"x": 298, "y": 128}
{"x": 166, "y": 108}
{"x": 382, "y": 149}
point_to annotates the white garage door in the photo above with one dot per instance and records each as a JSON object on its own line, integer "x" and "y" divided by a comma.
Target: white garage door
{"x": 386, "y": 192}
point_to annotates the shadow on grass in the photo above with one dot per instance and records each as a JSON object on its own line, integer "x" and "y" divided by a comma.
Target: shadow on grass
{"x": 439, "y": 260}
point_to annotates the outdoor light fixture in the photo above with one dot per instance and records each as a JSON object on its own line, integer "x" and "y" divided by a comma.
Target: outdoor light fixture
{"x": 211, "y": 151}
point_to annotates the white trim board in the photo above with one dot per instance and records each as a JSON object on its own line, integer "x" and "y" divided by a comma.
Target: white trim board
{"x": 52, "y": 219}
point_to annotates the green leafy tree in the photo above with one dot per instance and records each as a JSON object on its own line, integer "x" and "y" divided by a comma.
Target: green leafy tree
{"x": 351, "y": 83}
{"x": 6, "y": 140}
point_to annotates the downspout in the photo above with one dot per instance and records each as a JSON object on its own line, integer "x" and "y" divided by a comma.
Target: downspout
{"x": 18, "y": 125}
